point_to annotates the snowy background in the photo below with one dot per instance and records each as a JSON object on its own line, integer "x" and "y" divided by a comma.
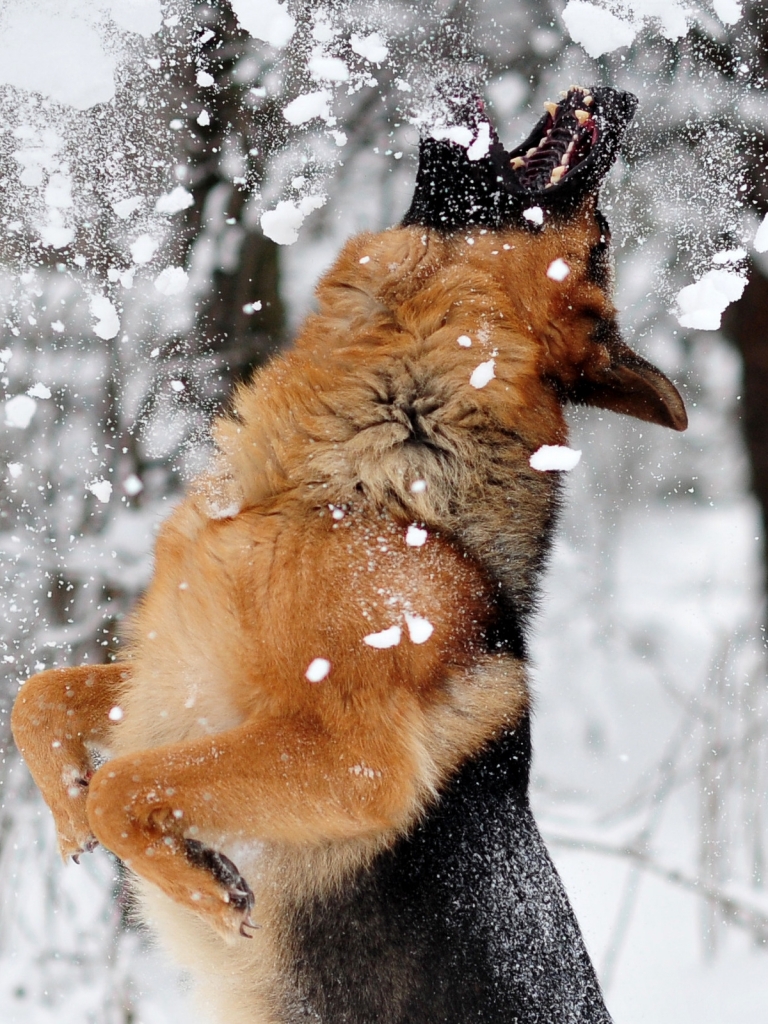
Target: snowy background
{"x": 175, "y": 177}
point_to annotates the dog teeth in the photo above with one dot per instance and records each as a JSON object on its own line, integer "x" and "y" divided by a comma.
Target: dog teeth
{"x": 564, "y": 159}
{"x": 588, "y": 101}
{"x": 532, "y": 150}
{"x": 517, "y": 162}
{"x": 557, "y": 174}
{"x": 582, "y": 116}
{"x": 550, "y": 108}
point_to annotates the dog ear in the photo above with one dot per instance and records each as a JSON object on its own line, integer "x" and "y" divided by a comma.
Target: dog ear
{"x": 625, "y": 382}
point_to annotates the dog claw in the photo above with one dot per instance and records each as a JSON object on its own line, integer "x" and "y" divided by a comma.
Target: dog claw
{"x": 76, "y": 858}
{"x": 238, "y": 892}
{"x": 248, "y": 923}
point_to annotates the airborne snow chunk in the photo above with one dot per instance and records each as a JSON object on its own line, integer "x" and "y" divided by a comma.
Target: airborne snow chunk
{"x": 318, "y": 670}
{"x": 419, "y": 628}
{"x": 598, "y": 30}
{"x": 328, "y": 69}
{"x": 267, "y": 20}
{"x": 459, "y": 134}
{"x": 125, "y": 207}
{"x": 19, "y": 411}
{"x": 386, "y": 638}
{"x": 371, "y": 48}
{"x": 534, "y": 214}
{"x": 39, "y": 391}
{"x": 555, "y": 457}
{"x": 173, "y": 202}
{"x": 701, "y": 304}
{"x": 761, "y": 238}
{"x": 143, "y": 249}
{"x": 132, "y": 485}
{"x": 282, "y": 224}
{"x": 108, "y": 322}
{"x": 479, "y": 148}
{"x": 171, "y": 281}
{"x": 101, "y": 489}
{"x": 415, "y": 537}
{"x": 483, "y": 374}
{"x": 307, "y": 107}
{"x": 464, "y": 340}
{"x": 558, "y": 270}
{"x": 728, "y": 11}
{"x": 205, "y": 80}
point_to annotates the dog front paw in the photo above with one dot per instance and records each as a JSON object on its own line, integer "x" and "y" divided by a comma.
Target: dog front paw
{"x": 237, "y": 894}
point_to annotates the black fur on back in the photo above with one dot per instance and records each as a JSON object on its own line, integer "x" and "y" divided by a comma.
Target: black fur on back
{"x": 465, "y": 921}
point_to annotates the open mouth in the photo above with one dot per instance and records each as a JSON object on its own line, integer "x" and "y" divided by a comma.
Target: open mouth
{"x": 468, "y": 177}
{"x": 567, "y": 137}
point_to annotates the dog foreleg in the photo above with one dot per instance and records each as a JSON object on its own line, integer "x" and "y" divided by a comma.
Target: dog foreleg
{"x": 58, "y": 717}
{"x": 168, "y": 811}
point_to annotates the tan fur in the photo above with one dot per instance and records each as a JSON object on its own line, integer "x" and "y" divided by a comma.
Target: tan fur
{"x": 293, "y": 547}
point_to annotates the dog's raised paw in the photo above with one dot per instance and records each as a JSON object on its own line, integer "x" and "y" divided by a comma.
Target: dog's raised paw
{"x": 238, "y": 893}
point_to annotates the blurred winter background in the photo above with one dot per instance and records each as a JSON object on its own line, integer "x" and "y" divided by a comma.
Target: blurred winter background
{"x": 174, "y": 178}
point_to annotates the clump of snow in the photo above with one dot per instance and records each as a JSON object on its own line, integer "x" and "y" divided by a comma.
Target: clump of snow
{"x": 101, "y": 489}
{"x": 419, "y": 629}
{"x": 143, "y": 249}
{"x": 597, "y": 29}
{"x": 464, "y": 340}
{"x": 479, "y": 148}
{"x": 132, "y": 485}
{"x": 203, "y": 118}
{"x": 39, "y": 391}
{"x": 205, "y": 80}
{"x": 728, "y": 11}
{"x": 386, "y": 638}
{"x": 483, "y": 374}
{"x": 125, "y": 207}
{"x": 534, "y": 214}
{"x": 558, "y": 270}
{"x": 108, "y": 322}
{"x": 731, "y": 255}
{"x": 267, "y": 20}
{"x": 115, "y": 714}
{"x": 282, "y": 224}
{"x": 457, "y": 133}
{"x": 308, "y": 106}
{"x": 328, "y": 69}
{"x": 19, "y": 411}
{"x": 702, "y": 304}
{"x": 555, "y": 457}
{"x": 318, "y": 670}
{"x": 761, "y": 237}
{"x": 418, "y": 486}
{"x": 372, "y": 48}
{"x": 415, "y": 537}
{"x": 173, "y": 202}
{"x": 171, "y": 281}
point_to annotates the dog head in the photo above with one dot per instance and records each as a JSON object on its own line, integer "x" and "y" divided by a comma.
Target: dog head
{"x": 536, "y": 207}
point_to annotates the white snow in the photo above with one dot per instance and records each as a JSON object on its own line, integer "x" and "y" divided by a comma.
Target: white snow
{"x": 19, "y": 411}
{"x": 419, "y": 629}
{"x": 418, "y": 486}
{"x": 372, "y": 48}
{"x": 328, "y": 69}
{"x": 39, "y": 390}
{"x": 479, "y": 148}
{"x": 203, "y": 118}
{"x": 178, "y": 386}
{"x": 174, "y": 201}
{"x": 365, "y": 259}
{"x": 57, "y": 326}
{"x": 558, "y": 270}
{"x": 125, "y": 207}
{"x": 555, "y": 457}
{"x": 267, "y": 20}
{"x": 464, "y": 340}
{"x": 459, "y": 134}
{"x": 386, "y": 638}
{"x": 728, "y": 11}
{"x": 415, "y": 536}
{"x": 101, "y": 489}
{"x": 115, "y": 714}
{"x": 308, "y": 106}
{"x": 598, "y": 30}
{"x": 143, "y": 249}
{"x": 534, "y": 214}
{"x": 701, "y": 304}
{"x": 205, "y": 80}
{"x": 730, "y": 255}
{"x": 108, "y": 322}
{"x": 761, "y": 237}
{"x": 318, "y": 670}
{"x": 171, "y": 281}
{"x": 224, "y": 511}
{"x": 282, "y": 224}
{"x": 132, "y": 485}
{"x": 483, "y": 374}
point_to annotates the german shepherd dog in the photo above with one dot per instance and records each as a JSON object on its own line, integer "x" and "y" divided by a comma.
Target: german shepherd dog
{"x": 318, "y": 745}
